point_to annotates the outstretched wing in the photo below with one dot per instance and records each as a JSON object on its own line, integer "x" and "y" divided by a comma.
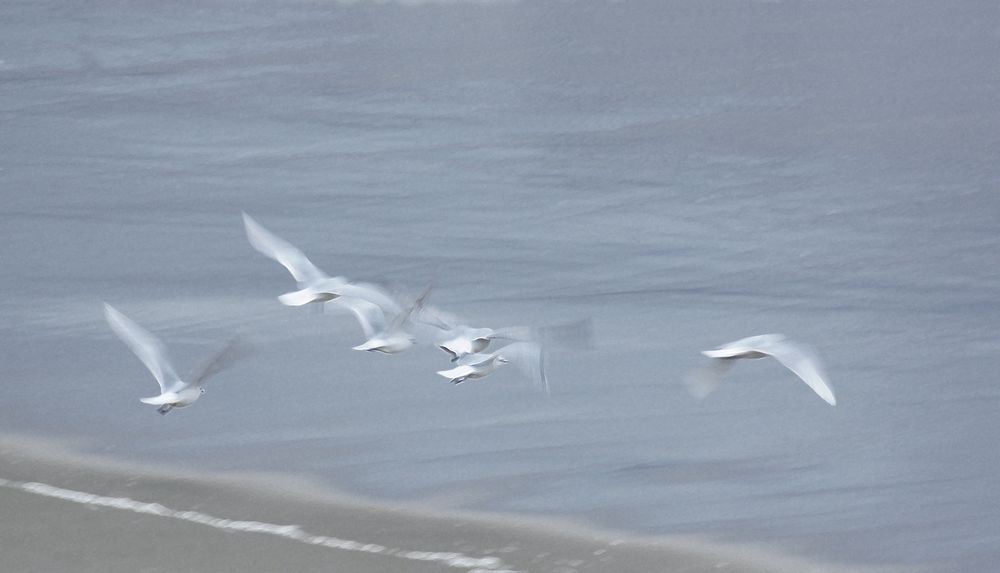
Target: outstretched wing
{"x": 745, "y": 347}
{"x": 234, "y": 349}
{"x": 440, "y": 319}
{"x": 365, "y": 291}
{"x": 147, "y": 347}
{"x": 803, "y": 363}
{"x": 704, "y": 380}
{"x": 406, "y": 313}
{"x": 369, "y": 315}
{"x": 519, "y": 333}
{"x": 273, "y": 246}
{"x": 530, "y": 359}
{"x": 457, "y": 372}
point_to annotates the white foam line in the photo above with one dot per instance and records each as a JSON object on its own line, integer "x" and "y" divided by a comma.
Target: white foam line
{"x": 293, "y": 532}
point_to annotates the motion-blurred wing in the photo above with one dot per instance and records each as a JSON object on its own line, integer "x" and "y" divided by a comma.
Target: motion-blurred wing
{"x": 745, "y": 346}
{"x": 369, "y": 292}
{"x": 273, "y": 246}
{"x": 529, "y": 358}
{"x": 704, "y": 380}
{"x": 519, "y": 333}
{"x": 147, "y": 347}
{"x": 803, "y": 363}
{"x": 434, "y": 316}
{"x": 369, "y": 315}
{"x": 407, "y": 313}
{"x": 232, "y": 351}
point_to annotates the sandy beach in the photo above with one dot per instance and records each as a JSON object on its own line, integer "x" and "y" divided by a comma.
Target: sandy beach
{"x": 69, "y": 512}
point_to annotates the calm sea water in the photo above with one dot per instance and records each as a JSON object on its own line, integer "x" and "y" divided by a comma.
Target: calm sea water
{"x": 683, "y": 174}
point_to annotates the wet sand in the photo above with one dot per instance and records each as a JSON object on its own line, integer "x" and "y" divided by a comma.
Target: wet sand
{"x": 69, "y": 512}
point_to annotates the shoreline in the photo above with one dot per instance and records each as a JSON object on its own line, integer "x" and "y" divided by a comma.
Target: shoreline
{"x": 245, "y": 521}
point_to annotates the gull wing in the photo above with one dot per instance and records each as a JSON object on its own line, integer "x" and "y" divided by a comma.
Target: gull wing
{"x": 165, "y": 398}
{"x": 744, "y": 347}
{"x": 802, "y": 362}
{"x": 370, "y": 315}
{"x": 273, "y": 246}
{"x": 458, "y": 347}
{"x": 529, "y": 358}
{"x": 440, "y": 319}
{"x": 457, "y": 372}
{"x": 233, "y": 350}
{"x": 452, "y": 353}
{"x": 147, "y": 347}
{"x": 475, "y": 359}
{"x": 369, "y": 292}
{"x": 403, "y": 316}
{"x": 519, "y": 333}
{"x": 703, "y": 381}
{"x": 465, "y": 340}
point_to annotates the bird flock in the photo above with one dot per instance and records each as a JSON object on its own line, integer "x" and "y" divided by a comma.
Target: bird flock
{"x": 391, "y": 323}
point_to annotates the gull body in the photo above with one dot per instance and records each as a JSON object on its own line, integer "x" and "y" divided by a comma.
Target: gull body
{"x": 382, "y": 335}
{"x": 526, "y": 355}
{"x": 314, "y": 286}
{"x": 459, "y": 340}
{"x": 792, "y": 356}
{"x": 463, "y": 340}
{"x": 174, "y": 392}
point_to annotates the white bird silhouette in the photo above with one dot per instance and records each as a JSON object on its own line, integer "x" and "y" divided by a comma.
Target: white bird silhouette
{"x": 315, "y": 286}
{"x": 792, "y": 356}
{"x": 527, "y": 356}
{"x": 464, "y": 340}
{"x": 174, "y": 392}
{"x": 458, "y": 339}
{"x": 381, "y": 335}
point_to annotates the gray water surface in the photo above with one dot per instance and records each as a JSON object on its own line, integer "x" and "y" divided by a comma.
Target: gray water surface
{"x": 682, "y": 173}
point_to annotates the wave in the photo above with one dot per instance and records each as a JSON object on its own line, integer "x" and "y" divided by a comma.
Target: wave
{"x": 293, "y": 532}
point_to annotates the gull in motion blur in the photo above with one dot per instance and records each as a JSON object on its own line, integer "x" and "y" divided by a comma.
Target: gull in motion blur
{"x": 381, "y": 335}
{"x": 527, "y": 356}
{"x": 464, "y": 340}
{"x": 792, "y": 356}
{"x": 174, "y": 392}
{"x": 458, "y": 340}
{"x": 314, "y": 286}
